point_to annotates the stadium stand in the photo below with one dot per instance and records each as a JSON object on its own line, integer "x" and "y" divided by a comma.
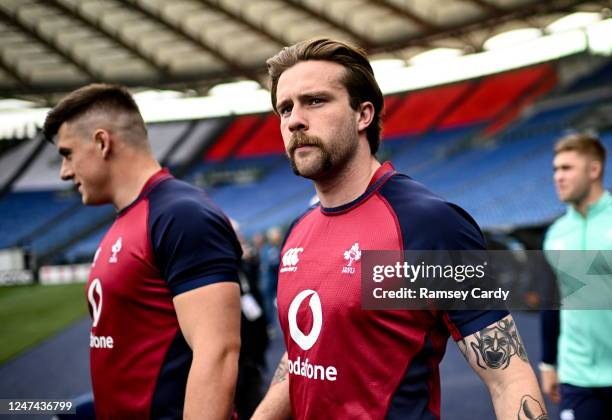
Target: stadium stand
{"x": 203, "y": 133}
{"x": 600, "y": 77}
{"x": 484, "y": 144}
{"x": 266, "y": 140}
{"x": 419, "y": 111}
{"x": 25, "y": 211}
{"x": 494, "y": 94}
{"x": 14, "y": 157}
{"x": 45, "y": 216}
{"x": 234, "y": 137}
{"x": 81, "y": 250}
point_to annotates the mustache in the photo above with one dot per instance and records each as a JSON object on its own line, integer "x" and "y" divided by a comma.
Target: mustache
{"x": 299, "y": 139}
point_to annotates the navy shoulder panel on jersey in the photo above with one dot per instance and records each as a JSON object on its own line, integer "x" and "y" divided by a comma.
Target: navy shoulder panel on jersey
{"x": 428, "y": 222}
{"x": 192, "y": 240}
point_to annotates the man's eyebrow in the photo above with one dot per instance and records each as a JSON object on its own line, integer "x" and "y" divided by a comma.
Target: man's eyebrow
{"x": 315, "y": 94}
{"x": 283, "y": 103}
{"x": 303, "y": 97}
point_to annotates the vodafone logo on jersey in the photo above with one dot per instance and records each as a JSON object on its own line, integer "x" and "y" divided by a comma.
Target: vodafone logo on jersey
{"x": 301, "y": 339}
{"x": 307, "y": 341}
{"x": 290, "y": 260}
{"x": 94, "y": 296}
{"x": 95, "y": 290}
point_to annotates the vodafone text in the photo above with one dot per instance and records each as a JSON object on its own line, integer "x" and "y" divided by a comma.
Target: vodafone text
{"x": 100, "y": 342}
{"x": 310, "y": 371}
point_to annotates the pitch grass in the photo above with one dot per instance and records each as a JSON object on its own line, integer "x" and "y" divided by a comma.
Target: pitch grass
{"x": 29, "y": 314}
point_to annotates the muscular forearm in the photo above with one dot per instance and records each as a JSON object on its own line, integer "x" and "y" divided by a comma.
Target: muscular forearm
{"x": 519, "y": 398}
{"x": 276, "y": 405}
{"x": 210, "y": 386}
{"x": 498, "y": 356}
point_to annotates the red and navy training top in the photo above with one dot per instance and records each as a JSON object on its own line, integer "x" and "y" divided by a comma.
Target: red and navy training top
{"x": 345, "y": 362}
{"x": 170, "y": 240}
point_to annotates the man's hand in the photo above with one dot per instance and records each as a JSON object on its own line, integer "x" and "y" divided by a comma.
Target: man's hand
{"x": 531, "y": 409}
{"x": 550, "y": 385}
{"x": 276, "y": 404}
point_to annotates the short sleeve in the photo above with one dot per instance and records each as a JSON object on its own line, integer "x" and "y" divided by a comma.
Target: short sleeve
{"x": 194, "y": 244}
{"x": 428, "y": 222}
{"x": 458, "y": 231}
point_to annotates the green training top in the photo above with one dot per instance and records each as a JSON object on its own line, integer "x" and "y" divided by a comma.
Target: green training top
{"x": 585, "y": 341}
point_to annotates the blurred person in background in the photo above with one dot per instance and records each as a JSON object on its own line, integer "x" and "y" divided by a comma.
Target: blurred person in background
{"x": 576, "y": 367}
{"x": 163, "y": 289}
{"x": 253, "y": 331}
{"x": 257, "y": 241}
{"x": 270, "y": 260}
{"x": 342, "y": 361}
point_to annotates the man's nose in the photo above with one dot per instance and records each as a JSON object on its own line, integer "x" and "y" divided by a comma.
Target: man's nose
{"x": 66, "y": 172}
{"x": 297, "y": 120}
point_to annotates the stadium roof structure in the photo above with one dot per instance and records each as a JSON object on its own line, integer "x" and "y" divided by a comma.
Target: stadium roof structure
{"x": 50, "y": 47}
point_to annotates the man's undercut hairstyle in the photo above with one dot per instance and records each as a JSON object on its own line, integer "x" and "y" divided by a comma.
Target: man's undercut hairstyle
{"x": 113, "y": 100}
{"x": 584, "y": 144}
{"x": 358, "y": 79}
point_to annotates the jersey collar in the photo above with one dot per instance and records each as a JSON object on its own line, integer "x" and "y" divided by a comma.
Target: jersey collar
{"x": 381, "y": 175}
{"x": 604, "y": 202}
{"x": 151, "y": 183}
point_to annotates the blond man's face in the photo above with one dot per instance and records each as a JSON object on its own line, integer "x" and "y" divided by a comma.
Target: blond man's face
{"x": 574, "y": 175}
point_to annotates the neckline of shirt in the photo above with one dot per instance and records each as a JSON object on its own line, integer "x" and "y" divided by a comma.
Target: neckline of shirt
{"x": 152, "y": 182}
{"x": 382, "y": 174}
{"x": 604, "y": 201}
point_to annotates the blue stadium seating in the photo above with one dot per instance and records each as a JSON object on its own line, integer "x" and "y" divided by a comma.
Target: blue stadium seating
{"x": 62, "y": 231}
{"x": 84, "y": 249}
{"x": 504, "y": 181}
{"x": 23, "y": 212}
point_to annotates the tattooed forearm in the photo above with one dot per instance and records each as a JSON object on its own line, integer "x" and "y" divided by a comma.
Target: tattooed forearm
{"x": 495, "y": 345}
{"x": 281, "y": 372}
{"x": 531, "y": 409}
{"x": 463, "y": 347}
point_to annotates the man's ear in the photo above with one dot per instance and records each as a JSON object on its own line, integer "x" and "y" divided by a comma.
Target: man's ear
{"x": 366, "y": 115}
{"x": 595, "y": 169}
{"x": 103, "y": 141}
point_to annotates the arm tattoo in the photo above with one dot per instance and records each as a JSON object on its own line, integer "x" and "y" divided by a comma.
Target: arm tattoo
{"x": 463, "y": 348}
{"x": 531, "y": 409}
{"x": 281, "y": 372}
{"x": 495, "y": 345}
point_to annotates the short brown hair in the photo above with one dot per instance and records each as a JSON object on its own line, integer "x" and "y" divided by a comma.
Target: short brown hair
{"x": 585, "y": 144}
{"x": 96, "y": 96}
{"x": 359, "y": 78}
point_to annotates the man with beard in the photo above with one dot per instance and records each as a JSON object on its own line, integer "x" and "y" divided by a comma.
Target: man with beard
{"x": 343, "y": 361}
{"x": 579, "y": 375}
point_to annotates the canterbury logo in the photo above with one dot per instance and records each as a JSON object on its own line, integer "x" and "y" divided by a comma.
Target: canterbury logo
{"x": 303, "y": 340}
{"x": 290, "y": 259}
